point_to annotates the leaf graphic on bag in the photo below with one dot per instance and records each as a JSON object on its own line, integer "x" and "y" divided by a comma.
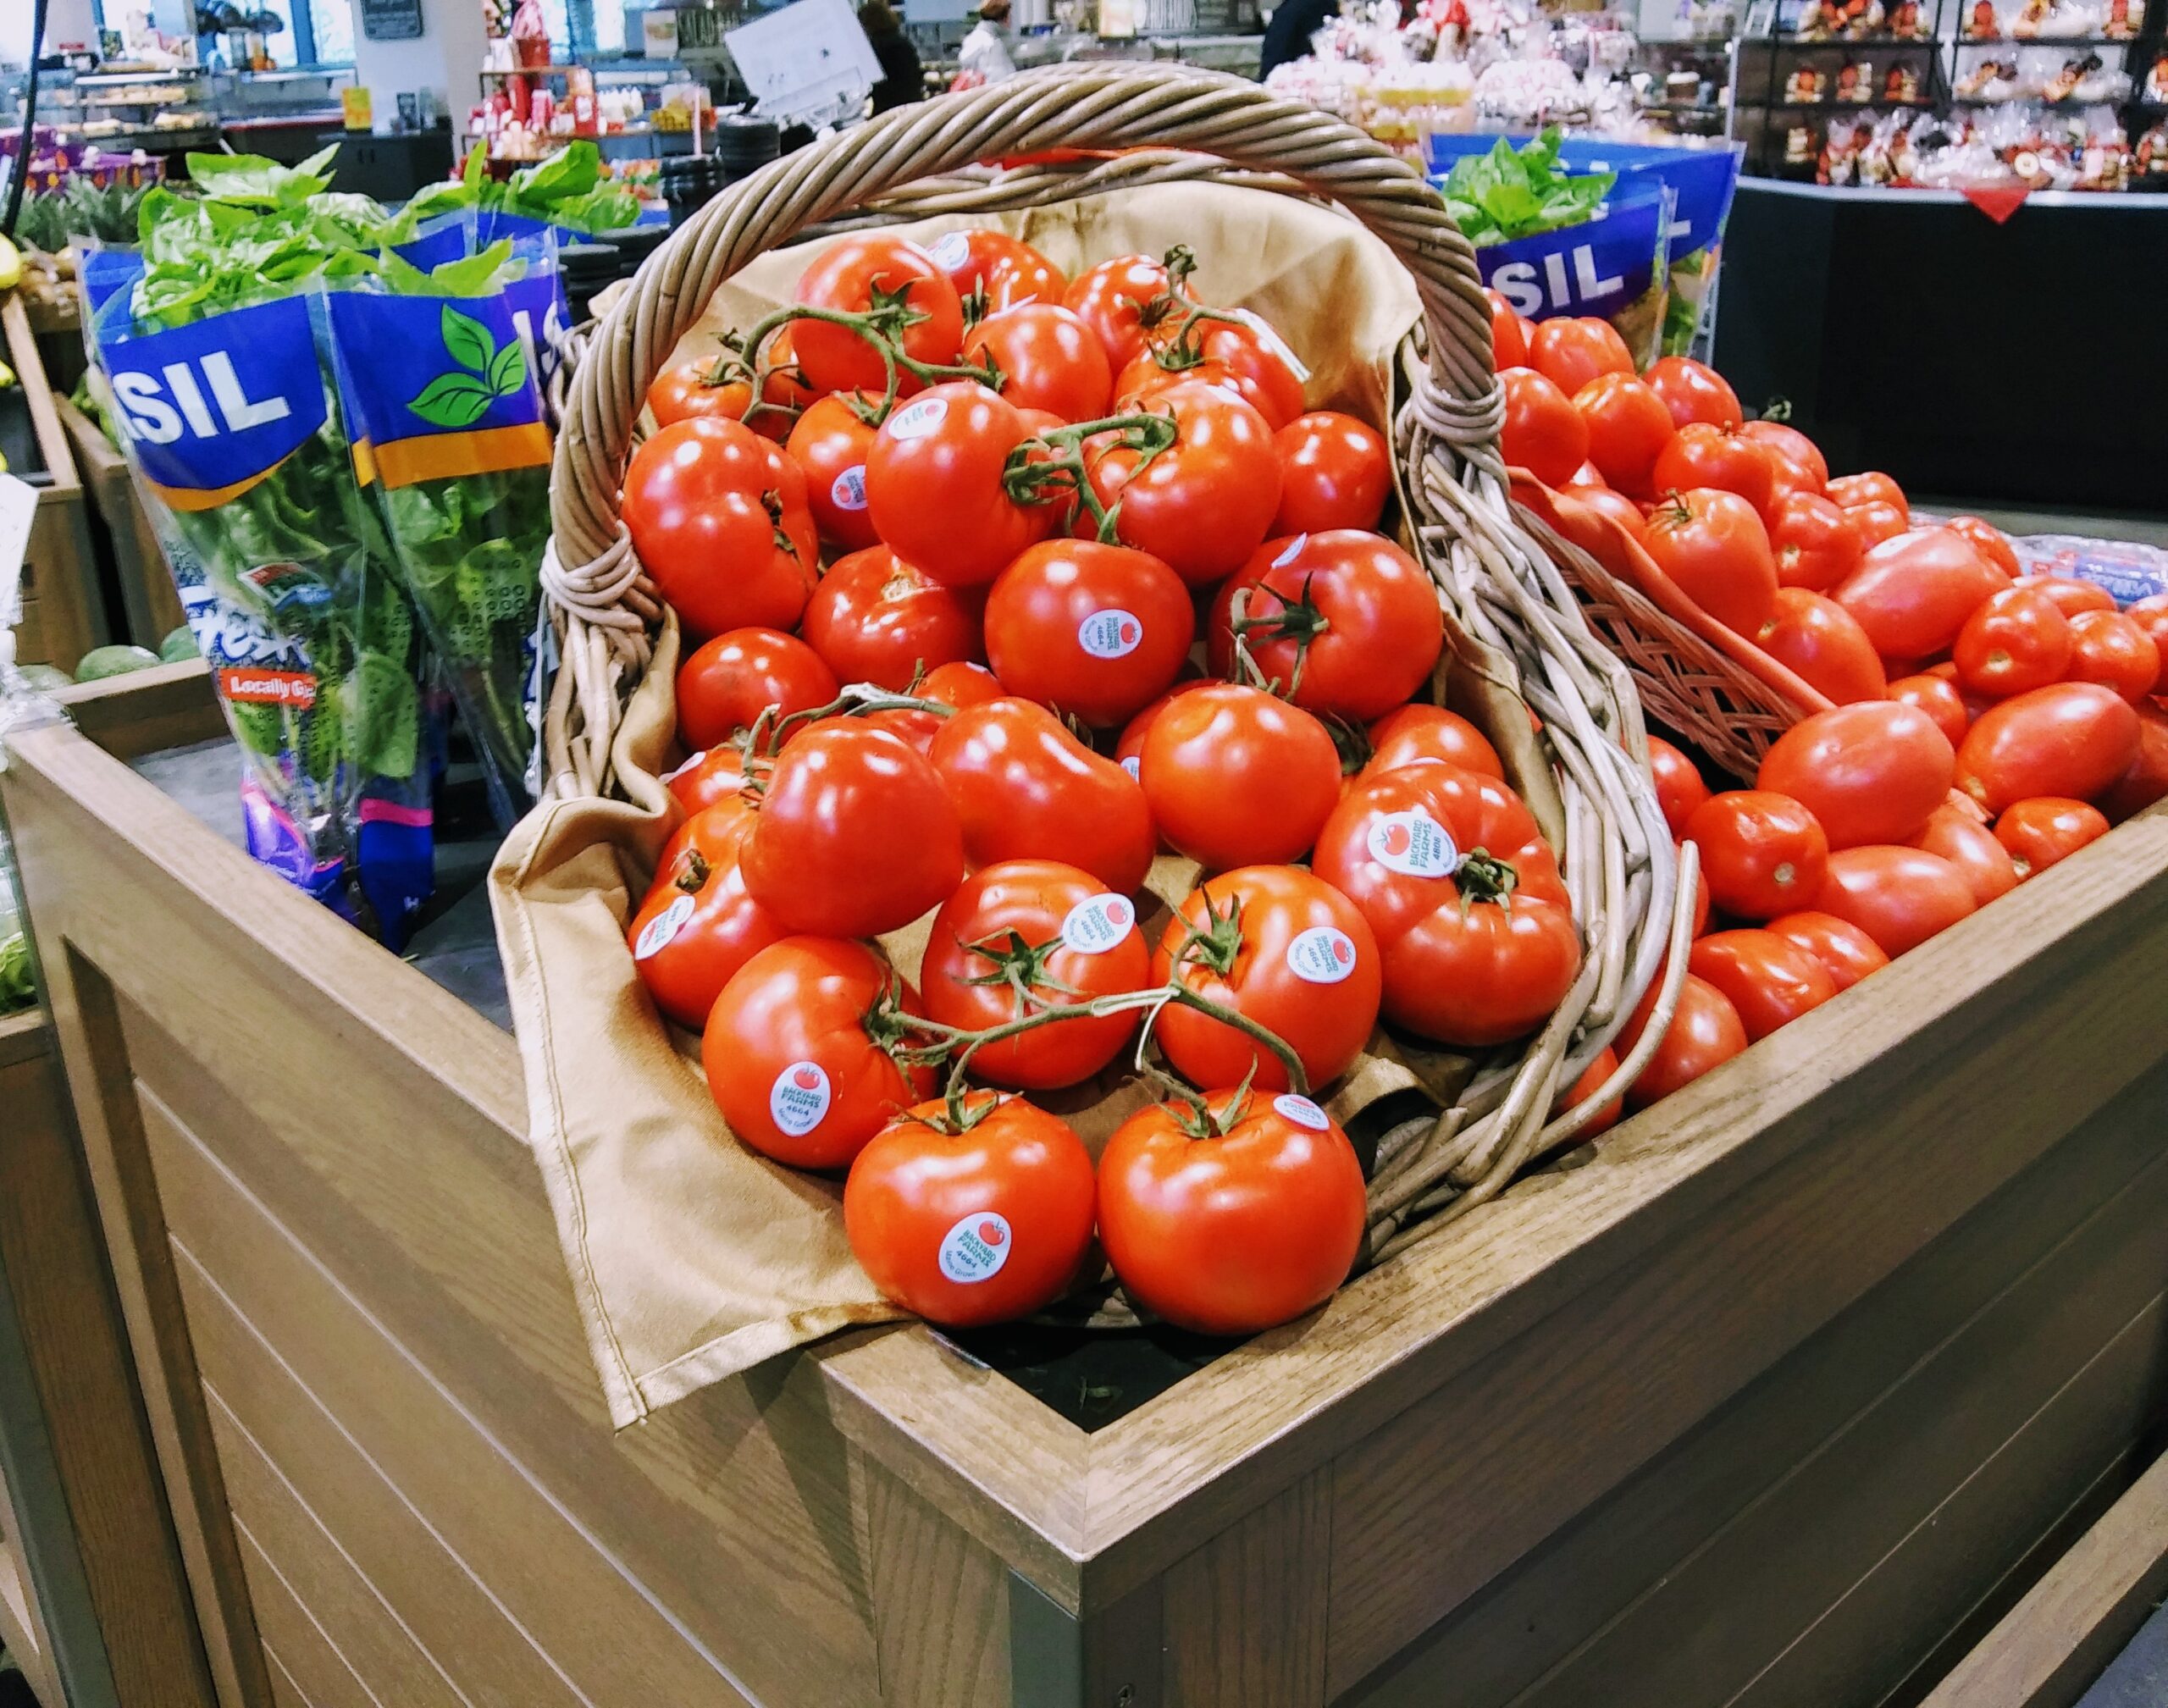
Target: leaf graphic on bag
{"x": 469, "y": 340}
{"x": 508, "y": 370}
{"x": 453, "y": 400}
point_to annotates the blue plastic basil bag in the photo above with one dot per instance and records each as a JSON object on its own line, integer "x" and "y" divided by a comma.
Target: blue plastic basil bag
{"x": 1611, "y": 268}
{"x": 1701, "y": 182}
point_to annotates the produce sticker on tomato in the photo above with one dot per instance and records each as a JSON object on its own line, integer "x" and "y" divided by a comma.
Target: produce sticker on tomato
{"x": 1301, "y": 1111}
{"x": 975, "y": 1248}
{"x": 1414, "y": 844}
{"x": 916, "y": 420}
{"x": 799, "y": 1100}
{"x": 1110, "y": 633}
{"x": 849, "y": 490}
{"x": 1323, "y": 955}
{"x": 1098, "y": 923}
{"x": 656, "y": 933}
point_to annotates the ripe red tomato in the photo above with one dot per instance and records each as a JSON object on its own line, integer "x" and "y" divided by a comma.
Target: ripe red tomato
{"x": 1128, "y": 746}
{"x": 1990, "y": 541}
{"x": 996, "y": 269}
{"x": 1044, "y": 928}
{"x": 1852, "y": 489}
{"x": 697, "y": 925}
{"x": 1787, "y": 479}
{"x": 1508, "y": 343}
{"x": 1699, "y": 456}
{"x": 1542, "y": 432}
{"x": 934, "y": 485}
{"x": 1900, "y": 896}
{"x": 2146, "y": 780}
{"x": 974, "y": 1226}
{"x": 718, "y": 515}
{"x": 1692, "y": 391}
{"x": 1569, "y": 353}
{"x": 1762, "y": 855}
{"x": 1202, "y": 506}
{"x": 2151, "y": 615}
{"x": 1236, "y": 777}
{"x": 961, "y": 684}
{"x": 1823, "y": 643}
{"x": 1415, "y": 733}
{"x": 1912, "y": 594}
{"x": 1284, "y": 949}
{"x": 1793, "y": 446}
{"x": 1577, "y": 523}
{"x": 789, "y": 1058}
{"x": 1876, "y": 521}
{"x": 1024, "y": 788}
{"x": 1965, "y": 843}
{"x": 1628, "y": 427}
{"x": 1870, "y": 772}
{"x": 1463, "y": 896}
{"x": 1847, "y": 953}
{"x": 1237, "y": 1227}
{"x": 1816, "y": 544}
{"x": 846, "y": 276}
{"x": 1047, "y": 359}
{"x": 1346, "y": 622}
{"x": 875, "y": 618}
{"x": 1938, "y": 697}
{"x": 1770, "y": 979}
{"x": 1334, "y": 471}
{"x": 1232, "y": 355}
{"x": 2045, "y": 829}
{"x": 689, "y": 389}
{"x": 2073, "y": 738}
{"x": 1713, "y": 547}
{"x": 1679, "y": 787}
{"x": 2108, "y": 648}
{"x": 1095, "y": 631}
{"x": 728, "y": 681}
{"x": 2071, "y": 595}
{"x": 1705, "y": 1032}
{"x": 856, "y": 835}
{"x": 716, "y": 775}
{"x": 1110, "y": 298}
{"x": 830, "y": 443}
{"x": 1593, "y": 1079}
{"x": 2014, "y": 640}
{"x": 1701, "y": 892}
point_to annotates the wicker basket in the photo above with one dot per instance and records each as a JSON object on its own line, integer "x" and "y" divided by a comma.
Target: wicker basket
{"x": 1495, "y": 581}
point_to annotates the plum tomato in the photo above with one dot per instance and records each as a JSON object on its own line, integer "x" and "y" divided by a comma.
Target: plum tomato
{"x": 1870, "y": 772}
{"x": 2014, "y": 640}
{"x": 1203, "y": 503}
{"x": 1237, "y": 777}
{"x": 1874, "y": 521}
{"x": 2071, "y": 738}
{"x": 1334, "y": 471}
{"x": 728, "y": 681}
{"x": 1415, "y": 733}
{"x": 1542, "y": 431}
{"x": 2146, "y": 780}
{"x": 1770, "y": 979}
{"x": 2151, "y": 615}
{"x": 1939, "y": 699}
{"x": 830, "y": 443}
{"x": 1847, "y": 953}
{"x": 1693, "y": 391}
{"x": 2108, "y": 648}
{"x": 1570, "y": 352}
{"x": 852, "y": 275}
{"x": 1047, "y": 358}
{"x": 934, "y": 485}
{"x": 697, "y": 925}
{"x": 1821, "y": 644}
{"x": 1679, "y": 787}
{"x": 1715, "y": 549}
{"x": 1900, "y": 896}
{"x": 1594, "y": 1077}
{"x": 1788, "y": 442}
{"x": 1990, "y": 541}
{"x": 1851, "y": 490}
{"x": 2071, "y": 593}
{"x": 992, "y": 271}
{"x": 1701, "y": 455}
{"x": 1705, "y": 1031}
{"x": 1628, "y": 427}
{"x": 1913, "y": 594}
{"x": 1111, "y": 297}
{"x": 1816, "y": 544}
{"x": 1095, "y": 631}
{"x": 1967, "y": 844}
{"x": 875, "y": 618}
{"x": 1762, "y": 853}
{"x": 2046, "y": 828}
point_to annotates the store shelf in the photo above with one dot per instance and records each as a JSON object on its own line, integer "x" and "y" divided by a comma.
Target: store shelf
{"x": 2047, "y": 42}
{"x": 1930, "y": 43}
{"x": 153, "y": 75}
{"x": 2069, "y": 103}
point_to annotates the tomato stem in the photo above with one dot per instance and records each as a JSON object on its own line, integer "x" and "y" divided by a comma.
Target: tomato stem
{"x": 881, "y": 327}
{"x": 1482, "y": 876}
{"x": 855, "y": 699}
{"x": 695, "y": 873}
{"x": 1299, "y": 620}
{"x": 1031, "y": 476}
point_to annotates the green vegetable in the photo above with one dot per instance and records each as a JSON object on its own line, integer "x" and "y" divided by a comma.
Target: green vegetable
{"x": 18, "y": 989}
{"x": 44, "y": 678}
{"x": 179, "y": 646}
{"x": 569, "y": 189}
{"x": 102, "y": 661}
{"x": 52, "y": 218}
{"x": 1505, "y": 194}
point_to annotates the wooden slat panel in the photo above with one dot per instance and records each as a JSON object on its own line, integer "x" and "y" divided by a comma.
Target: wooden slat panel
{"x": 1264, "y": 1579}
{"x": 940, "y": 1601}
{"x": 306, "y": 1652}
{"x": 285, "y": 1691}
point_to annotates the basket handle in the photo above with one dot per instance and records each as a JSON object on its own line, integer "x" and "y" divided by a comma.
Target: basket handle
{"x": 1098, "y": 106}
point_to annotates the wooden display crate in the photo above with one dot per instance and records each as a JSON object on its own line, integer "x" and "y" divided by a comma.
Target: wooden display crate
{"x": 1771, "y": 1399}
{"x": 150, "y": 605}
{"x": 63, "y": 613}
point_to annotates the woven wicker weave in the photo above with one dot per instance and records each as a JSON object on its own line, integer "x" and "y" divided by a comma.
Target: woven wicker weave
{"x": 1494, "y": 578}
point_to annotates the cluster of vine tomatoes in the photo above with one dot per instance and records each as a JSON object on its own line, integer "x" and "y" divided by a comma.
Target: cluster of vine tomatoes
{"x": 1002, "y": 584}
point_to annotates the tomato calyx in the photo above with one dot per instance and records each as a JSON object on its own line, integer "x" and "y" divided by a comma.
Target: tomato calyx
{"x": 1482, "y": 876}
{"x": 1192, "y": 1110}
{"x": 1671, "y": 511}
{"x": 737, "y": 365}
{"x": 881, "y": 327}
{"x": 1216, "y": 944}
{"x": 1298, "y": 621}
{"x": 853, "y": 699}
{"x": 771, "y": 502}
{"x": 694, "y": 876}
{"x": 1020, "y": 965}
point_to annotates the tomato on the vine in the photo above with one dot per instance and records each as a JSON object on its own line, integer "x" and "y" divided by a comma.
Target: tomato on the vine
{"x": 1900, "y": 896}
{"x": 830, "y": 443}
{"x": 1770, "y": 979}
{"x": 1693, "y": 391}
{"x": 1762, "y": 853}
{"x": 1463, "y": 896}
{"x": 697, "y": 925}
{"x": 1234, "y": 1218}
{"x": 2071, "y": 738}
{"x": 992, "y": 271}
{"x": 1111, "y": 297}
{"x": 1705, "y": 1032}
{"x": 715, "y": 774}
{"x": 1794, "y": 446}
{"x": 1847, "y": 953}
{"x": 1680, "y": 787}
{"x": 1719, "y": 459}
{"x": 1415, "y": 733}
{"x": 1542, "y": 431}
{"x": 1823, "y": 643}
{"x": 876, "y": 618}
{"x": 722, "y": 388}
{"x": 935, "y": 487}
{"x": 1095, "y": 631}
{"x": 789, "y": 1056}
{"x": 1570, "y": 352}
{"x": 1816, "y": 544}
{"x": 2046, "y": 828}
{"x": 1913, "y": 594}
{"x": 728, "y": 681}
{"x": 1231, "y": 355}
{"x": 1869, "y": 773}
{"x": 1203, "y": 503}
{"x": 718, "y": 515}
{"x": 862, "y": 273}
{"x": 1334, "y": 471}
{"x": 1628, "y": 427}
{"x": 1047, "y": 359}
{"x": 1713, "y": 547}
{"x": 2014, "y": 640}
{"x": 2108, "y": 648}
{"x": 1237, "y": 777}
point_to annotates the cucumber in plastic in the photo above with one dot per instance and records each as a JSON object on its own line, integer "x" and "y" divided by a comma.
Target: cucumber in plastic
{"x": 102, "y": 661}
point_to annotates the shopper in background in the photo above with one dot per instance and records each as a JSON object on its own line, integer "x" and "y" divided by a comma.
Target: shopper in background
{"x": 1287, "y": 36}
{"x": 984, "y": 56}
{"x": 902, "y": 79}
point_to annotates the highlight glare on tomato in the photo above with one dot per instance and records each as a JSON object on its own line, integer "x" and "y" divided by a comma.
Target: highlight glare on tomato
{"x": 2106, "y": 647}
{"x": 1571, "y": 350}
{"x": 1110, "y": 298}
{"x": 1913, "y": 594}
{"x": 1415, "y": 733}
{"x": 1900, "y": 896}
{"x": 2071, "y": 738}
{"x": 1967, "y": 844}
{"x": 1705, "y": 1031}
{"x": 1693, "y": 391}
{"x": 1542, "y": 432}
{"x": 1847, "y": 953}
{"x": 1628, "y": 427}
{"x": 1770, "y": 979}
{"x": 2014, "y": 640}
{"x": 1823, "y": 643}
{"x": 1047, "y": 359}
{"x": 846, "y": 276}
{"x": 1938, "y": 697}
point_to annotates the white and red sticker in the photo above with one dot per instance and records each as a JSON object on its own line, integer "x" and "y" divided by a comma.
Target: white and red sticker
{"x": 1323, "y": 955}
{"x": 1414, "y": 843}
{"x": 975, "y": 1248}
{"x": 1098, "y": 923}
{"x": 916, "y": 420}
{"x": 950, "y": 250}
{"x": 848, "y": 491}
{"x": 1135, "y": 767}
{"x": 665, "y": 926}
{"x": 799, "y": 1100}
{"x": 1302, "y": 1111}
{"x": 1290, "y": 551}
{"x": 1113, "y": 633}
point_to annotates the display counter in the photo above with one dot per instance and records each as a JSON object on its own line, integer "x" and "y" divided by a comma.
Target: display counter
{"x": 1779, "y": 1394}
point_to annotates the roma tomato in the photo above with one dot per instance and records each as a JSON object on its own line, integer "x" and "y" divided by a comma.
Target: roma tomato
{"x": 1571, "y": 351}
{"x": 1762, "y": 855}
{"x": 1713, "y": 547}
{"x": 1024, "y": 788}
{"x": 856, "y": 836}
{"x": 971, "y": 1220}
{"x": 1415, "y": 733}
{"x": 789, "y": 1058}
{"x": 1594, "y": 1077}
{"x": 1822, "y": 644}
{"x": 830, "y": 443}
{"x": 1203, "y": 505}
{"x": 1229, "y": 355}
{"x": 1463, "y": 896}
{"x": 935, "y": 489}
{"x": 847, "y": 276}
{"x": 2146, "y": 780}
{"x": 1334, "y": 471}
{"x": 1870, "y": 772}
{"x": 1095, "y": 631}
{"x": 1770, "y": 979}
{"x": 1938, "y": 697}
{"x": 1990, "y": 541}
{"x": 697, "y": 925}
{"x": 1508, "y": 344}
{"x": 1900, "y": 896}
{"x": 1967, "y": 843}
{"x": 1047, "y": 359}
{"x": 875, "y": 618}
{"x": 1850, "y": 489}
{"x": 1912, "y": 594}
{"x": 1705, "y": 1032}
{"x": 2014, "y": 641}
{"x": 1816, "y": 545}
{"x": 1875, "y": 521}
{"x": 1576, "y": 522}
{"x": 1346, "y": 621}
{"x": 1111, "y": 299}
{"x": 2045, "y": 829}
{"x": 1051, "y": 937}
{"x": 1793, "y": 446}
{"x": 2151, "y": 615}
{"x": 1234, "y": 1221}
{"x": 1628, "y": 427}
{"x": 1847, "y": 953}
{"x": 1699, "y": 456}
{"x": 2073, "y": 738}
{"x": 2108, "y": 648}
{"x": 728, "y": 681}
{"x": 1543, "y": 433}
{"x": 2072, "y": 595}
{"x": 1236, "y": 777}
{"x": 992, "y": 271}
{"x": 1680, "y": 789}
{"x": 1286, "y": 951}
{"x": 1694, "y": 391}
{"x": 719, "y": 517}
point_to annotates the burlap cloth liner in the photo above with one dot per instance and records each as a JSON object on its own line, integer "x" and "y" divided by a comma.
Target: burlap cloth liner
{"x": 691, "y": 1257}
